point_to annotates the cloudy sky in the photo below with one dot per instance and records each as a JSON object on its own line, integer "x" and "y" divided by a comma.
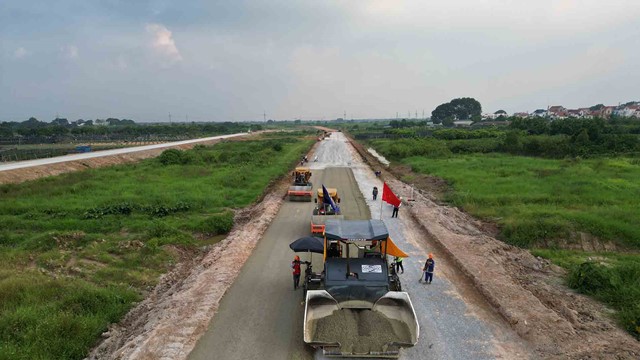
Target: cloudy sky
{"x": 314, "y": 59}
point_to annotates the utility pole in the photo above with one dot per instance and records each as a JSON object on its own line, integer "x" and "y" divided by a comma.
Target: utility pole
{"x": 416, "y": 114}
{"x": 423, "y": 113}
{"x": 169, "y": 118}
{"x": 264, "y": 115}
{"x": 345, "y": 115}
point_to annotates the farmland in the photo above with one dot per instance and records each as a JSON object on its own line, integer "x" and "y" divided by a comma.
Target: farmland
{"x": 78, "y": 250}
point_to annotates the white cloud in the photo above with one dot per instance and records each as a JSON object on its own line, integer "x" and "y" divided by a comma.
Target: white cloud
{"x": 20, "y": 53}
{"x": 69, "y": 51}
{"x": 163, "y": 44}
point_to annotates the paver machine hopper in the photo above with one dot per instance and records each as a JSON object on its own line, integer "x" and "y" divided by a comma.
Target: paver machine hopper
{"x": 302, "y": 188}
{"x": 357, "y": 308}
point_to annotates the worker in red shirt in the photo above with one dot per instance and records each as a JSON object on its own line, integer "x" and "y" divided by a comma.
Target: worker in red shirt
{"x": 295, "y": 265}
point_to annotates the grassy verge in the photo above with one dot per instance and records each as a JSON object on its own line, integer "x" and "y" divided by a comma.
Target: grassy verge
{"x": 76, "y": 251}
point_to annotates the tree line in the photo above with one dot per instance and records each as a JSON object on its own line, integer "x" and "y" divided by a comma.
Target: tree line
{"x": 61, "y": 129}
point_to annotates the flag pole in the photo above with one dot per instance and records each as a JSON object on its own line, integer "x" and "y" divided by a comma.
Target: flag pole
{"x": 381, "y": 202}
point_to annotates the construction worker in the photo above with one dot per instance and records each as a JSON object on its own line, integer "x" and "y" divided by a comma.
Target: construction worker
{"x": 375, "y": 192}
{"x": 295, "y": 265}
{"x": 396, "y": 208}
{"x": 398, "y": 261}
{"x": 428, "y": 268}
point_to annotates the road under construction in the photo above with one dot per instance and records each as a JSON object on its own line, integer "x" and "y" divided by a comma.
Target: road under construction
{"x": 261, "y": 315}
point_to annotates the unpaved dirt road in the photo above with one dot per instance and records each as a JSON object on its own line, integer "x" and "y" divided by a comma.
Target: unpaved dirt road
{"x": 260, "y": 317}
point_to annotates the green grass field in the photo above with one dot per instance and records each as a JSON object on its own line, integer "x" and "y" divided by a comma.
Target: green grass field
{"x": 77, "y": 250}
{"x": 537, "y": 201}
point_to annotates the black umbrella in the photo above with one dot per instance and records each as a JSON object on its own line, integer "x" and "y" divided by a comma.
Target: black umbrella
{"x": 308, "y": 244}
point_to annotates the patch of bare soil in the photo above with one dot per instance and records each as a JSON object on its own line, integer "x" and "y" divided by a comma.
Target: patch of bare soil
{"x": 528, "y": 292}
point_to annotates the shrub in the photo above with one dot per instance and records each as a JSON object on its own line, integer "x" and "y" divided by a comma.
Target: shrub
{"x": 171, "y": 157}
{"x": 217, "y": 224}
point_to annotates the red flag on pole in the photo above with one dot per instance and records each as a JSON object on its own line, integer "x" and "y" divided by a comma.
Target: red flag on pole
{"x": 388, "y": 196}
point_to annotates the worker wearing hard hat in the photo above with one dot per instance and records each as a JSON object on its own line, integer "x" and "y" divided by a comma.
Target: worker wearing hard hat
{"x": 428, "y": 268}
{"x": 295, "y": 265}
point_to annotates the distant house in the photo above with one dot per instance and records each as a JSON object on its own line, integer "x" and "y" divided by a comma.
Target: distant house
{"x": 462, "y": 123}
{"x": 585, "y": 113}
{"x": 481, "y": 124}
{"x": 523, "y": 115}
{"x": 557, "y": 111}
{"x": 574, "y": 114}
{"x": 627, "y": 110}
{"x": 495, "y": 115}
{"x": 540, "y": 113}
{"x": 607, "y": 111}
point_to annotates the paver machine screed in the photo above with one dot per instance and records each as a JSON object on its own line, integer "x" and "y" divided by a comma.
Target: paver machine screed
{"x": 355, "y": 306}
{"x": 302, "y": 188}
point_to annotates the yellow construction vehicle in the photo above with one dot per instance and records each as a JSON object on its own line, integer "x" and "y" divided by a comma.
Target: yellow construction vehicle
{"x": 356, "y": 307}
{"x": 324, "y": 210}
{"x": 302, "y": 188}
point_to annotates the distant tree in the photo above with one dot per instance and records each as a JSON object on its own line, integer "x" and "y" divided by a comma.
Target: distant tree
{"x": 500, "y": 112}
{"x": 448, "y": 121}
{"x": 596, "y": 107}
{"x": 32, "y": 123}
{"x": 457, "y": 109}
{"x": 60, "y": 122}
{"x": 113, "y": 121}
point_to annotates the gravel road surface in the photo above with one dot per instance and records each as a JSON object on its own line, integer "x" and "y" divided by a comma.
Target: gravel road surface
{"x": 260, "y": 317}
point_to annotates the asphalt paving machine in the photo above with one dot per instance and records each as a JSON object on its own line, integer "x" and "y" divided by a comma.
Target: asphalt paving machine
{"x": 324, "y": 210}
{"x": 302, "y": 188}
{"x": 355, "y": 306}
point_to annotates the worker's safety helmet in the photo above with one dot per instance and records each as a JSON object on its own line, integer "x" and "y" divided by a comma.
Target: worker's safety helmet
{"x": 430, "y": 256}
